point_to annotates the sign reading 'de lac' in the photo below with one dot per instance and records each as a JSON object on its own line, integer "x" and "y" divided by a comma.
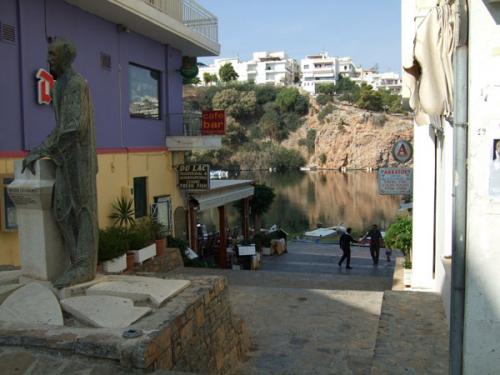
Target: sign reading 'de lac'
{"x": 395, "y": 181}
{"x": 193, "y": 177}
{"x": 213, "y": 123}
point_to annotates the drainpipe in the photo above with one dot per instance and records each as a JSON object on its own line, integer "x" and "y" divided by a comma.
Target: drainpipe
{"x": 460, "y": 125}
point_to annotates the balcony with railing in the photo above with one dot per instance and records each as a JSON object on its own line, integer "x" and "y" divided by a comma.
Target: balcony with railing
{"x": 184, "y": 133}
{"x": 191, "y": 14}
{"x": 182, "y": 24}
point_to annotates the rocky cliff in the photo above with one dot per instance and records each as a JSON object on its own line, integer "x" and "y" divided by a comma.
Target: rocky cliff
{"x": 351, "y": 137}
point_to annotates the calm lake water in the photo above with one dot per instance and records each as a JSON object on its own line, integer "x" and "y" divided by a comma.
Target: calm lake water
{"x": 305, "y": 199}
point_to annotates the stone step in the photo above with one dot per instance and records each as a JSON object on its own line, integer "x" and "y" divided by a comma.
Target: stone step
{"x": 412, "y": 335}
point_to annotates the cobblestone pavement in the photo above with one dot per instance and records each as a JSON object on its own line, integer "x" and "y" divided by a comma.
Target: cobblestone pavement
{"x": 305, "y": 314}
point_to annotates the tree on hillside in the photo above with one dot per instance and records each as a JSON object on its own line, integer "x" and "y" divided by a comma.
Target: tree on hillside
{"x": 286, "y": 99}
{"x": 325, "y": 88}
{"x": 225, "y": 99}
{"x": 369, "y": 99}
{"x": 207, "y": 78}
{"x": 265, "y": 93}
{"x": 301, "y": 106}
{"x": 227, "y": 73}
{"x": 311, "y": 140}
{"x": 323, "y": 99}
{"x": 235, "y": 134}
{"x": 269, "y": 125}
{"x": 347, "y": 89}
{"x": 391, "y": 102}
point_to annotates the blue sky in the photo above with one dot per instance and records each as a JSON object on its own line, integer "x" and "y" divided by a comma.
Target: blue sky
{"x": 367, "y": 30}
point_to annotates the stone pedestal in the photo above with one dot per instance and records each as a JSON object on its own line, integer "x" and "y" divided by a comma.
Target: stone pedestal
{"x": 41, "y": 247}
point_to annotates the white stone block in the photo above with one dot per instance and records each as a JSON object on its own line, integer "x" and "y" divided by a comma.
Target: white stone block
{"x": 32, "y": 304}
{"x": 6, "y": 290}
{"x": 140, "y": 288}
{"x": 40, "y": 243}
{"x": 144, "y": 254}
{"x": 115, "y": 265}
{"x": 104, "y": 311}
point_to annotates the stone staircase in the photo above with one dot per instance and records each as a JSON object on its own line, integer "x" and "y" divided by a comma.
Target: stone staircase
{"x": 412, "y": 335}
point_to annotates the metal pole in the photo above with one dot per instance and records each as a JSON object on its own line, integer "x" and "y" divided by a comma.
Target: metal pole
{"x": 460, "y": 125}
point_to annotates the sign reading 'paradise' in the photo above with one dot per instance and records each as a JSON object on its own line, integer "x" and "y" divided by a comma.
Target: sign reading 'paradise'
{"x": 395, "y": 181}
{"x": 213, "y": 123}
{"x": 193, "y": 177}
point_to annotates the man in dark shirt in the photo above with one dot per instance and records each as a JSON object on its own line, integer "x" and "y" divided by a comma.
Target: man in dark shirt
{"x": 345, "y": 245}
{"x": 375, "y": 240}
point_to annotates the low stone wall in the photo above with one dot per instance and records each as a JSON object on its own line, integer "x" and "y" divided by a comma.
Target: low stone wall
{"x": 204, "y": 337}
{"x": 195, "y": 331}
{"x": 169, "y": 261}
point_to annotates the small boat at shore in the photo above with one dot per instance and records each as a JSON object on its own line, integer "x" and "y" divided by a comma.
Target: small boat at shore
{"x": 319, "y": 233}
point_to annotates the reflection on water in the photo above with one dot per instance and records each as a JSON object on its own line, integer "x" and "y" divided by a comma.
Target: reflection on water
{"x": 304, "y": 200}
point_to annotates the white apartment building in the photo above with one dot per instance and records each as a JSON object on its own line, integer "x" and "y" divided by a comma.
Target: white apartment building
{"x": 384, "y": 81}
{"x": 264, "y": 68}
{"x": 456, "y": 196}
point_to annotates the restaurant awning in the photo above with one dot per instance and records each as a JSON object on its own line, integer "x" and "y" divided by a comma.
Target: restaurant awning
{"x": 223, "y": 192}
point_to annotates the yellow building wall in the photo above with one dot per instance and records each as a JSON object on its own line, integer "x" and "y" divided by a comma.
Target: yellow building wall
{"x": 114, "y": 179}
{"x": 9, "y": 242}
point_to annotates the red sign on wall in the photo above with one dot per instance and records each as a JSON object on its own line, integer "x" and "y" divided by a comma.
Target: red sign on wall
{"x": 213, "y": 123}
{"x": 45, "y": 83}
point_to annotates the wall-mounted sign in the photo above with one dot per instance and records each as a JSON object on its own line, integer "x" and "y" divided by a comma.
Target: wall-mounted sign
{"x": 395, "y": 181}
{"x": 44, "y": 84}
{"x": 193, "y": 177}
{"x": 213, "y": 123}
{"x": 402, "y": 151}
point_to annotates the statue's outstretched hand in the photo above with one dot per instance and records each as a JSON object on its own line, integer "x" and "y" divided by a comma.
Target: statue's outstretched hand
{"x": 29, "y": 162}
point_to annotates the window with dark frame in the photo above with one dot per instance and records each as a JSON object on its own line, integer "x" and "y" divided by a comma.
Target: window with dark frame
{"x": 8, "y": 219}
{"x": 140, "y": 197}
{"x": 144, "y": 92}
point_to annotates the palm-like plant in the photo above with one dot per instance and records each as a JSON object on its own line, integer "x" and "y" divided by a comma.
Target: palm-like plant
{"x": 123, "y": 213}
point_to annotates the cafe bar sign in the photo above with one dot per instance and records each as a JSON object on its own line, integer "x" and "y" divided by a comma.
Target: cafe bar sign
{"x": 213, "y": 123}
{"x": 193, "y": 177}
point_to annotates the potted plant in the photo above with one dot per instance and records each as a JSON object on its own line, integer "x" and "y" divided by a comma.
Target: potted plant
{"x": 140, "y": 240}
{"x": 160, "y": 233}
{"x": 123, "y": 217}
{"x": 399, "y": 236}
{"x": 112, "y": 249}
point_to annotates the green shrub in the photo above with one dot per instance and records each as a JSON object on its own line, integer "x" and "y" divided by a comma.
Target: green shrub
{"x": 140, "y": 235}
{"x": 112, "y": 243}
{"x": 325, "y": 111}
{"x": 399, "y": 236}
{"x": 323, "y": 99}
{"x": 322, "y": 158}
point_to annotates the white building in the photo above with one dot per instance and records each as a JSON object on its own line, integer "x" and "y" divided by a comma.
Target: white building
{"x": 264, "y": 68}
{"x": 456, "y": 204}
{"x": 321, "y": 68}
{"x": 384, "y": 81}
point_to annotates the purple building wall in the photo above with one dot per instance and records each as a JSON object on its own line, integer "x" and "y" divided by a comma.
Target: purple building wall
{"x": 24, "y": 123}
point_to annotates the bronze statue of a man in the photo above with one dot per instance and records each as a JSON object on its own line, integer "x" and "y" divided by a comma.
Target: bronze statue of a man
{"x": 71, "y": 146}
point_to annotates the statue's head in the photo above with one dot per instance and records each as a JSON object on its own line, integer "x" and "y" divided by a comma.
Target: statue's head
{"x": 61, "y": 55}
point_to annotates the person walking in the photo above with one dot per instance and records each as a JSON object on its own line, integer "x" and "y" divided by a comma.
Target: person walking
{"x": 375, "y": 240}
{"x": 345, "y": 245}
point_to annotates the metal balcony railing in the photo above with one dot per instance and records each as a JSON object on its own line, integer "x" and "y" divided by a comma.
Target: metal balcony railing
{"x": 184, "y": 124}
{"x": 191, "y": 14}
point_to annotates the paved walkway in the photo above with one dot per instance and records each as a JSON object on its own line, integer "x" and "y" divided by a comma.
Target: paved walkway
{"x": 305, "y": 314}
